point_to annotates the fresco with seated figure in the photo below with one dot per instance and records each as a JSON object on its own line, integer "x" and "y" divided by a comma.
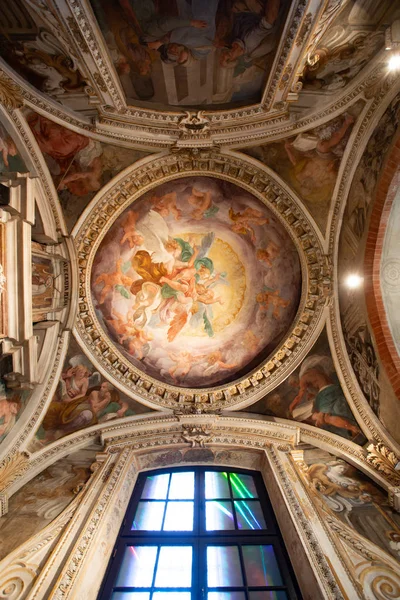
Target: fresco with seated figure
{"x": 344, "y": 492}
{"x": 313, "y": 395}
{"x": 197, "y": 282}
{"x": 79, "y": 165}
{"x": 309, "y": 162}
{"x": 83, "y": 398}
{"x": 192, "y": 53}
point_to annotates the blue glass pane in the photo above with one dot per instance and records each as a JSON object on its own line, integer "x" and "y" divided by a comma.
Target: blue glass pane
{"x": 243, "y": 486}
{"x": 219, "y": 515}
{"x": 172, "y": 596}
{"x": 249, "y": 515}
{"x": 261, "y": 566}
{"x": 268, "y": 596}
{"x": 182, "y": 486}
{"x": 223, "y": 566}
{"x": 137, "y": 567}
{"x": 179, "y": 516}
{"x": 149, "y": 516}
{"x": 174, "y": 567}
{"x": 225, "y": 596}
{"x": 216, "y": 485}
{"x": 130, "y": 596}
{"x": 156, "y": 487}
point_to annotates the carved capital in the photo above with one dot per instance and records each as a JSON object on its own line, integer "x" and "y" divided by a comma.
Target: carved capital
{"x": 10, "y": 93}
{"x": 11, "y": 468}
{"x": 385, "y": 461}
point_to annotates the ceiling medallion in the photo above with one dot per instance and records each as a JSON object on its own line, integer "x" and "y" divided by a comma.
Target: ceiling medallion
{"x": 201, "y": 282}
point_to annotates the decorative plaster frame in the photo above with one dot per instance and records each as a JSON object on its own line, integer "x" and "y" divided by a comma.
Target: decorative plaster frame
{"x": 132, "y": 184}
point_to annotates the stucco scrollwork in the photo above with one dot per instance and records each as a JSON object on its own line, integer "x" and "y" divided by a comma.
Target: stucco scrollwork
{"x": 385, "y": 461}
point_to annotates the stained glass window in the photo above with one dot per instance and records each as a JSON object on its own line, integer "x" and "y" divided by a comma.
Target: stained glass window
{"x": 199, "y": 534}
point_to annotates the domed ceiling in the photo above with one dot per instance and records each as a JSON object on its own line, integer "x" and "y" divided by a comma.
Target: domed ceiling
{"x": 200, "y": 159}
{"x": 196, "y": 282}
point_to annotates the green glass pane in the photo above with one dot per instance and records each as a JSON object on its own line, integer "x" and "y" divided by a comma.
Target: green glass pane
{"x": 223, "y": 566}
{"x": 278, "y": 595}
{"x": 225, "y": 596}
{"x": 179, "y": 516}
{"x": 243, "y": 486}
{"x": 249, "y": 515}
{"x": 261, "y": 566}
{"x": 130, "y": 596}
{"x": 148, "y": 516}
{"x": 219, "y": 515}
{"x": 182, "y": 486}
{"x": 216, "y": 485}
{"x": 137, "y": 567}
{"x": 174, "y": 569}
{"x": 156, "y": 487}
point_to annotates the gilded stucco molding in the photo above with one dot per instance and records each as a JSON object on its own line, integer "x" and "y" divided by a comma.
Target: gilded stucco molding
{"x": 384, "y": 460}
{"x": 378, "y": 560}
{"x": 369, "y": 422}
{"x": 103, "y": 211}
{"x": 303, "y": 522}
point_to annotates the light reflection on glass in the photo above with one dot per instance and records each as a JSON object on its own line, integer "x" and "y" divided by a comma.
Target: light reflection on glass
{"x": 243, "y": 486}
{"x": 216, "y": 485}
{"x": 149, "y": 516}
{"x": 179, "y": 516}
{"x": 130, "y": 596}
{"x": 174, "y": 567}
{"x": 137, "y": 567}
{"x": 249, "y": 515}
{"x": 225, "y": 596}
{"x": 172, "y": 596}
{"x": 223, "y": 566}
{"x": 219, "y": 516}
{"x": 182, "y": 486}
{"x": 156, "y": 487}
{"x": 261, "y": 566}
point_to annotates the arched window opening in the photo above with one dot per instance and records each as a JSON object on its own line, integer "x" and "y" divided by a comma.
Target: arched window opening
{"x": 199, "y": 533}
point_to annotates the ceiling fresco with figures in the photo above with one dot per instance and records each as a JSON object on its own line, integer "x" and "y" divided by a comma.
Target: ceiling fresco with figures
{"x": 191, "y": 268}
{"x": 186, "y": 186}
{"x": 192, "y": 53}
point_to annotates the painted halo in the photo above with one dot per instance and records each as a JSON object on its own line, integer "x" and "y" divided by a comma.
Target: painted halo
{"x": 201, "y": 282}
{"x": 196, "y": 283}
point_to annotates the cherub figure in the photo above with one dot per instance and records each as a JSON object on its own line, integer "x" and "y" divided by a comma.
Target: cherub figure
{"x": 242, "y": 222}
{"x": 272, "y": 298}
{"x": 166, "y": 204}
{"x": 268, "y": 254}
{"x": 110, "y": 280}
{"x": 129, "y": 335}
{"x": 202, "y": 201}
{"x": 9, "y": 409}
{"x": 250, "y": 341}
{"x": 7, "y": 147}
{"x": 133, "y": 237}
{"x": 136, "y": 342}
{"x": 183, "y": 363}
{"x": 214, "y": 359}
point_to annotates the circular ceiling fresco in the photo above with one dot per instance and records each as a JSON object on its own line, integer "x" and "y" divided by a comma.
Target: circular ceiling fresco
{"x": 196, "y": 283}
